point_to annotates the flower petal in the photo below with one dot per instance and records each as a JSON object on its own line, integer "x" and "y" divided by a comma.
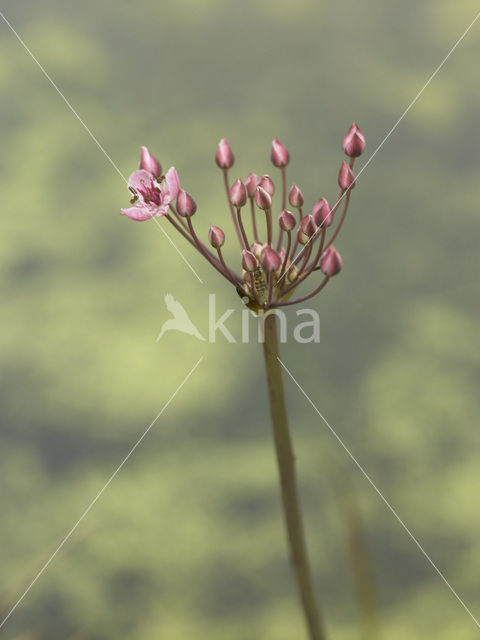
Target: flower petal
{"x": 140, "y": 179}
{"x": 162, "y": 210}
{"x": 138, "y": 213}
{"x": 173, "y": 184}
{"x": 149, "y": 162}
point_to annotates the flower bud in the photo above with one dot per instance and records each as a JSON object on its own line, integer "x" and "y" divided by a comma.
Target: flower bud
{"x": 267, "y": 183}
{"x": 346, "y": 177}
{"x": 292, "y": 273}
{"x": 148, "y": 162}
{"x": 295, "y": 197}
{"x": 286, "y": 220}
{"x": 308, "y": 226}
{"x": 354, "y": 142}
{"x": 257, "y": 249}
{"x": 263, "y": 200}
{"x": 271, "y": 260}
{"x": 238, "y": 194}
{"x": 249, "y": 261}
{"x": 302, "y": 237}
{"x": 279, "y": 154}
{"x": 322, "y": 214}
{"x": 251, "y": 183}
{"x": 186, "y": 205}
{"x": 331, "y": 263}
{"x": 224, "y": 156}
{"x": 216, "y": 237}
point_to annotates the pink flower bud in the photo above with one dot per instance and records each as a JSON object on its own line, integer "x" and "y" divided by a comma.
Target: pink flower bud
{"x": 148, "y": 162}
{"x": 263, "y": 199}
{"x": 295, "y": 197}
{"x": 286, "y": 220}
{"x": 249, "y": 261}
{"x": 251, "y": 183}
{"x": 224, "y": 156}
{"x": 216, "y": 237}
{"x": 346, "y": 177}
{"x": 257, "y": 249}
{"x": 354, "y": 142}
{"x": 267, "y": 183}
{"x": 322, "y": 214}
{"x": 238, "y": 194}
{"x": 271, "y": 260}
{"x": 279, "y": 154}
{"x": 308, "y": 226}
{"x": 186, "y": 205}
{"x": 331, "y": 263}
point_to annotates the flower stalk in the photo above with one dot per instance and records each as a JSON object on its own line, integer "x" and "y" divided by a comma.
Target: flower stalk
{"x": 288, "y": 481}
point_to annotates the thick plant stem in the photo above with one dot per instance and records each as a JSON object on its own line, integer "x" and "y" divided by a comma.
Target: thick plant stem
{"x": 288, "y": 481}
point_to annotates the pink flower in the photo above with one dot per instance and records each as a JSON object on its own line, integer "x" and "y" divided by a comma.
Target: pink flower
{"x": 224, "y": 156}
{"x": 331, "y": 262}
{"x": 279, "y": 154}
{"x": 151, "y": 196}
{"x": 354, "y": 142}
{"x": 346, "y": 177}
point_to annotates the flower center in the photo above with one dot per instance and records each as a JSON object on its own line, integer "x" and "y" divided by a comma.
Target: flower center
{"x": 151, "y": 193}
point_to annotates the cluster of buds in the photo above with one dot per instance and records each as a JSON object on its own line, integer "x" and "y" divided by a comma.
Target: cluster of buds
{"x": 290, "y": 249}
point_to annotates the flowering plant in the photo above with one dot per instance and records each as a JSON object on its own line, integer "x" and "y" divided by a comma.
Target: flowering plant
{"x": 272, "y": 269}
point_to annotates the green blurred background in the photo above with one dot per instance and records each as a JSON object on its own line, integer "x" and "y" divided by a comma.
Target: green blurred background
{"x": 187, "y": 542}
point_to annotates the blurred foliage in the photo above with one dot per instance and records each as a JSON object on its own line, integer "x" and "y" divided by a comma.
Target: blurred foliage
{"x": 188, "y": 540}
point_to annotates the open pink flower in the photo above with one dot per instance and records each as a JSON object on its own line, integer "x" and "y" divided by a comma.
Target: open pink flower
{"x": 151, "y": 196}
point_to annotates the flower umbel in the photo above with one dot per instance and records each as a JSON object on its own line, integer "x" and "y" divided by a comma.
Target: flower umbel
{"x": 294, "y": 248}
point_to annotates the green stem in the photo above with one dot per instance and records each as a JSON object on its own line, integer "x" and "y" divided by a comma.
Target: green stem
{"x": 288, "y": 481}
